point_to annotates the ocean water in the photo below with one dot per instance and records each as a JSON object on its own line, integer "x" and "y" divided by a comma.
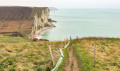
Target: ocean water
{"x": 84, "y": 23}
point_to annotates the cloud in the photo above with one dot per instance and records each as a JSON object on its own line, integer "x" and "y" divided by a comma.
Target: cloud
{"x": 64, "y": 3}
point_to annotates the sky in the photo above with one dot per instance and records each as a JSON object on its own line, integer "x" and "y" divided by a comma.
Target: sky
{"x": 109, "y": 4}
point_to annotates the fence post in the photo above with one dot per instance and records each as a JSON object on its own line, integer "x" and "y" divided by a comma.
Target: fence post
{"x": 64, "y": 40}
{"x": 70, "y": 38}
{"x": 51, "y": 55}
{"x": 94, "y": 54}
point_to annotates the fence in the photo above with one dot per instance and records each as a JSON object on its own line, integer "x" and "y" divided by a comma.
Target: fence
{"x": 60, "y": 58}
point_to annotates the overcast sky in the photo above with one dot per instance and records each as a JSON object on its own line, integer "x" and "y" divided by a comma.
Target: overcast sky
{"x": 64, "y": 3}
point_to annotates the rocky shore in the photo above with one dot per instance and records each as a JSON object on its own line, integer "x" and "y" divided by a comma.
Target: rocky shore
{"x": 40, "y": 32}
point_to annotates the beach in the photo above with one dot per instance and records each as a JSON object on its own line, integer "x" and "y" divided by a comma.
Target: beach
{"x": 40, "y": 32}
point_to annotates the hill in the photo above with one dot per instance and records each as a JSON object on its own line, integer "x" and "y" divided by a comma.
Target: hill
{"x": 23, "y": 21}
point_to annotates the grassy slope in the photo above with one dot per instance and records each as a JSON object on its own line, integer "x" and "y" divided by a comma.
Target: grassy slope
{"x": 24, "y": 55}
{"x": 13, "y": 39}
{"x": 66, "y": 57}
{"x": 107, "y": 54}
{"x": 22, "y": 18}
{"x": 85, "y": 62}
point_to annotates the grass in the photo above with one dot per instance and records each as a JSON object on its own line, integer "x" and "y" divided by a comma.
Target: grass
{"x": 17, "y": 53}
{"x": 13, "y": 39}
{"x": 27, "y": 56}
{"x": 84, "y": 60}
{"x": 107, "y": 54}
{"x": 72, "y": 66}
{"x": 66, "y": 57}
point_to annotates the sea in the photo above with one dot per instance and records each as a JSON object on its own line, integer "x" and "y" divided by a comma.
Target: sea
{"x": 84, "y": 23}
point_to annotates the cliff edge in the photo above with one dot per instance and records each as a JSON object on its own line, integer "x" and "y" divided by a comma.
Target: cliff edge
{"x": 23, "y": 21}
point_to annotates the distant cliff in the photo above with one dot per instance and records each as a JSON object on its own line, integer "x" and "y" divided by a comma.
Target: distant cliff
{"x": 24, "y": 21}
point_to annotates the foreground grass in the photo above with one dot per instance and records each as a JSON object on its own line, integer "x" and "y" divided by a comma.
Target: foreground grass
{"x": 107, "y": 54}
{"x": 85, "y": 62}
{"x": 27, "y": 56}
{"x": 34, "y": 56}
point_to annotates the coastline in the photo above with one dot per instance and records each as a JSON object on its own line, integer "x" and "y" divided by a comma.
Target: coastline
{"x": 39, "y": 33}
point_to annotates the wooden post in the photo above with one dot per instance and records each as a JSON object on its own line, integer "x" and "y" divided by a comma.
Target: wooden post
{"x": 94, "y": 55}
{"x": 51, "y": 55}
{"x": 64, "y": 41}
{"x": 70, "y": 38}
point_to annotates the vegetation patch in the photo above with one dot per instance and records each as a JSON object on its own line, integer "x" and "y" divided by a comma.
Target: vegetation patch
{"x": 66, "y": 58}
{"x": 85, "y": 62}
{"x": 106, "y": 53}
{"x": 13, "y": 39}
{"x": 28, "y": 56}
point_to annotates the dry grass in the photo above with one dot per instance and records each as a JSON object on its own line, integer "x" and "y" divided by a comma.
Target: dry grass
{"x": 107, "y": 52}
{"x": 27, "y": 56}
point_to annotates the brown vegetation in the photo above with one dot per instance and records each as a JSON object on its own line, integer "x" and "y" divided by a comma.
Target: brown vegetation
{"x": 18, "y": 19}
{"x": 15, "y": 13}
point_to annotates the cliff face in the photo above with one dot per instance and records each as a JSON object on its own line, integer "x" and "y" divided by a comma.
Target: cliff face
{"x": 24, "y": 20}
{"x": 41, "y": 20}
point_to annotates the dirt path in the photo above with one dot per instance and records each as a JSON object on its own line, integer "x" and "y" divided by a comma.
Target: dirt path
{"x": 72, "y": 64}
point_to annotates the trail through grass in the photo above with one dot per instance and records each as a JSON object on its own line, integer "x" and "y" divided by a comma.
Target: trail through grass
{"x": 107, "y": 54}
